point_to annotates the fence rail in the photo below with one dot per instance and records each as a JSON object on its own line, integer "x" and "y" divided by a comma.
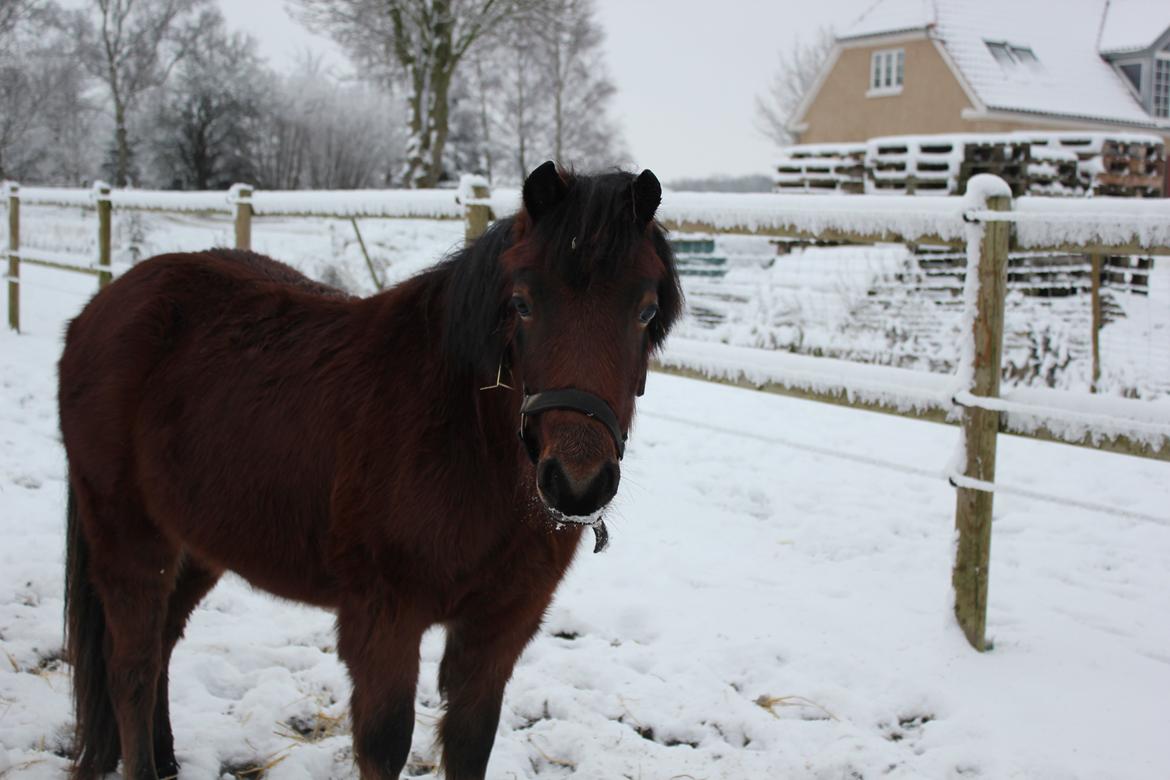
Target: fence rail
{"x": 987, "y": 223}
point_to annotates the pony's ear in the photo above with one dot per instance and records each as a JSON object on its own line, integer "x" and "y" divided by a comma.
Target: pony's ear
{"x": 647, "y": 196}
{"x": 543, "y": 190}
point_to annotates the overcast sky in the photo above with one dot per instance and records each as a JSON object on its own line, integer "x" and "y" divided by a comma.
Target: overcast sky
{"x": 686, "y": 71}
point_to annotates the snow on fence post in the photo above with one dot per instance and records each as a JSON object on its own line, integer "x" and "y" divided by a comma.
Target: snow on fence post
{"x": 980, "y": 426}
{"x": 13, "y": 190}
{"x": 475, "y": 194}
{"x": 1095, "y": 288}
{"x": 101, "y": 192}
{"x": 241, "y": 197}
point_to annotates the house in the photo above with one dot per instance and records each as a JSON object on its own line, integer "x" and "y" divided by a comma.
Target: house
{"x": 956, "y": 66}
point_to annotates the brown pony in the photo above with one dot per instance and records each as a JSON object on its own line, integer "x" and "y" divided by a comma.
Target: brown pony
{"x": 222, "y": 412}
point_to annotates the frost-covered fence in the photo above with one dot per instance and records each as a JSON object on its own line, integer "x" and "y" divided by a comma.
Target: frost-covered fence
{"x": 473, "y": 203}
{"x": 987, "y": 224}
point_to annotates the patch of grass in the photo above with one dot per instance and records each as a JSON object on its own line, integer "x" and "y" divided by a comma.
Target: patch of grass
{"x": 771, "y": 703}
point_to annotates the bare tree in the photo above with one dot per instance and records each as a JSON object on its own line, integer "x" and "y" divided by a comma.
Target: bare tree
{"x": 570, "y": 43}
{"x": 798, "y": 70}
{"x": 46, "y": 119}
{"x": 203, "y": 126}
{"x": 13, "y": 13}
{"x": 542, "y": 91}
{"x": 131, "y": 47}
{"x": 315, "y": 131}
{"x": 424, "y": 41}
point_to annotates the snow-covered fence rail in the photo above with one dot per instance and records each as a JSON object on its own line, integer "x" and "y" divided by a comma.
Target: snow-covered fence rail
{"x": 989, "y": 224}
{"x": 473, "y": 203}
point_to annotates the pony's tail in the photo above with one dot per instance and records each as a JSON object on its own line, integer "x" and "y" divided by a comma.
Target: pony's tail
{"x": 95, "y": 742}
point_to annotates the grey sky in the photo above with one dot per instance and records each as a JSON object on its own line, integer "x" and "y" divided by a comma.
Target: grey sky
{"x": 687, "y": 71}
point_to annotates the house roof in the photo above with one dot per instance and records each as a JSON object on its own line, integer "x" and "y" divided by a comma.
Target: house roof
{"x": 884, "y": 17}
{"x": 1133, "y": 25}
{"x": 1069, "y": 78}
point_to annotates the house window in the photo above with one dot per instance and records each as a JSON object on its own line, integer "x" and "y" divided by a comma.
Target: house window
{"x": 1009, "y": 55}
{"x": 886, "y": 71}
{"x": 1162, "y": 86}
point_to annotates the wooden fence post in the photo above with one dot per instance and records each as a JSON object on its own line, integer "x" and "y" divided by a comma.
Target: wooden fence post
{"x": 479, "y": 214}
{"x": 241, "y": 196}
{"x": 13, "y": 255}
{"x": 1096, "y": 326}
{"x": 105, "y": 218}
{"x": 980, "y": 426}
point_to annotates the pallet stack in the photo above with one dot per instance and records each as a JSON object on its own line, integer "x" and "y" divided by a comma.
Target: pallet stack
{"x": 1032, "y": 163}
{"x": 822, "y": 168}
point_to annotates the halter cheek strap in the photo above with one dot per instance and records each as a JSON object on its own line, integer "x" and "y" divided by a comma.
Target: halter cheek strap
{"x": 577, "y": 401}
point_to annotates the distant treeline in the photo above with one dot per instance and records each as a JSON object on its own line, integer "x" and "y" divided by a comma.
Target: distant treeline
{"x": 160, "y": 93}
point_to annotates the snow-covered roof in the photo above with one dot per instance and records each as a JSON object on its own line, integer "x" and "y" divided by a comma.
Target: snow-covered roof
{"x": 891, "y": 16}
{"x": 1069, "y": 78}
{"x": 1133, "y": 25}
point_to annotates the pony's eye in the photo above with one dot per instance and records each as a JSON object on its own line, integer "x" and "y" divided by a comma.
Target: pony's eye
{"x": 521, "y": 307}
{"x": 647, "y": 314}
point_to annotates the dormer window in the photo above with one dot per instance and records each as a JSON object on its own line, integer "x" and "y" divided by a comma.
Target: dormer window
{"x": 1009, "y": 55}
{"x": 1133, "y": 74}
{"x": 886, "y": 71}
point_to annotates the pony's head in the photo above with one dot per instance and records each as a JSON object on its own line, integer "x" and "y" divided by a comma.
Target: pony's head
{"x": 582, "y": 289}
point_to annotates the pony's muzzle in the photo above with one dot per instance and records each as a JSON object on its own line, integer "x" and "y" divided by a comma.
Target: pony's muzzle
{"x": 575, "y": 494}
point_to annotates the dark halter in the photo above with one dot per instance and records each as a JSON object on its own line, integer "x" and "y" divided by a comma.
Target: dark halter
{"x": 575, "y": 400}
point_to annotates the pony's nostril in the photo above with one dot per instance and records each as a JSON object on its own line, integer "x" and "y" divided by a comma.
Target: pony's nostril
{"x": 607, "y": 483}
{"x": 551, "y": 480}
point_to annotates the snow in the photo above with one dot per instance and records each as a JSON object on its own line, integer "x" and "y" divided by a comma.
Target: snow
{"x": 433, "y": 204}
{"x": 1116, "y": 221}
{"x": 884, "y": 17}
{"x": 1133, "y": 25}
{"x": 912, "y": 218}
{"x": 160, "y": 200}
{"x": 900, "y": 388}
{"x": 763, "y": 610}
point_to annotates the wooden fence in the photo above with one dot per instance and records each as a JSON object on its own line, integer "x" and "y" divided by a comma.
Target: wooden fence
{"x": 986, "y": 224}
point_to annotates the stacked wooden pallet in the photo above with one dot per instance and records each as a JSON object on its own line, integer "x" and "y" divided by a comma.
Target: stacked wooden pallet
{"x": 1053, "y": 171}
{"x": 1007, "y": 158}
{"x": 1118, "y": 164}
{"x": 696, "y": 257}
{"x": 822, "y": 168}
{"x": 910, "y": 165}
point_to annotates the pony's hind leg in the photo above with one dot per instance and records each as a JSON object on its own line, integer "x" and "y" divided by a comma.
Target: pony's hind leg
{"x": 133, "y": 570}
{"x": 193, "y": 582}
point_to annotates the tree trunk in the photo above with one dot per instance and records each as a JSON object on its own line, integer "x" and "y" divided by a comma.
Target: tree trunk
{"x": 439, "y": 126}
{"x": 484, "y": 125}
{"x": 122, "y": 142}
{"x": 412, "y": 168}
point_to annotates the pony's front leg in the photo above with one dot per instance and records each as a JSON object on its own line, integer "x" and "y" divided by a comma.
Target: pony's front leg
{"x": 379, "y": 644}
{"x": 482, "y": 649}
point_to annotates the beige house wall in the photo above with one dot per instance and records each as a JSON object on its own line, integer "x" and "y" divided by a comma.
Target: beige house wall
{"x": 931, "y": 100}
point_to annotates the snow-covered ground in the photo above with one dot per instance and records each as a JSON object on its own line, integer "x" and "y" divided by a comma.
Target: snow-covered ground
{"x": 762, "y": 612}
